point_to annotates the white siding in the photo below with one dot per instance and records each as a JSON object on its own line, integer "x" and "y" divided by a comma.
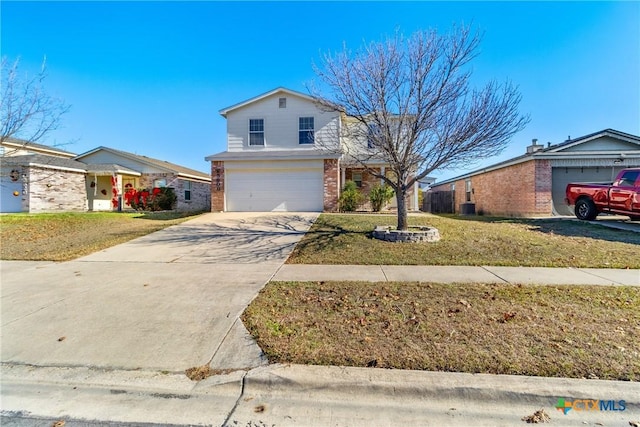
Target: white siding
{"x": 281, "y": 124}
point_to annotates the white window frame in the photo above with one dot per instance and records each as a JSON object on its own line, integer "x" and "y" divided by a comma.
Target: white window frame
{"x": 312, "y": 130}
{"x": 254, "y": 132}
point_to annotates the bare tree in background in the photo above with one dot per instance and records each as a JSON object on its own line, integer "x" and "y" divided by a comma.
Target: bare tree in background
{"x": 27, "y": 112}
{"x": 408, "y": 102}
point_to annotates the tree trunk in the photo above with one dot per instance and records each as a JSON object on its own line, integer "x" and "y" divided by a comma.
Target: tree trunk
{"x": 401, "y": 198}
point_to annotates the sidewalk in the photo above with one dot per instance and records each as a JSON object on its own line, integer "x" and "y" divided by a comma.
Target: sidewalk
{"x": 459, "y": 274}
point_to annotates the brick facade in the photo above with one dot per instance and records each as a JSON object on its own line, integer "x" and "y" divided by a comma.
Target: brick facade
{"x": 331, "y": 185}
{"x": 523, "y": 189}
{"x": 217, "y": 186}
{"x": 200, "y": 191}
{"x": 200, "y": 195}
{"x": 51, "y": 190}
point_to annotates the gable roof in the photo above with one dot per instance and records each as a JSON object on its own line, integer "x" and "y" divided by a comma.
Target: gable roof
{"x": 555, "y": 152}
{"x": 21, "y": 144}
{"x": 156, "y": 163}
{"x": 626, "y": 137}
{"x": 45, "y": 161}
{"x": 281, "y": 89}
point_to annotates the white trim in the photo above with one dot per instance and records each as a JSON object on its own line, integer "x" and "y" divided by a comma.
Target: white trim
{"x": 196, "y": 178}
{"x": 264, "y": 132}
{"x": 314, "y": 130}
{"x": 61, "y": 168}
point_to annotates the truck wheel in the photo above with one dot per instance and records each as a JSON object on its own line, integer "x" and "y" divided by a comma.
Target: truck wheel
{"x": 586, "y": 210}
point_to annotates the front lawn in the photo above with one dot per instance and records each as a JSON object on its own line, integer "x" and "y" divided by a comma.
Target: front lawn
{"x": 475, "y": 240}
{"x": 65, "y": 236}
{"x": 554, "y": 331}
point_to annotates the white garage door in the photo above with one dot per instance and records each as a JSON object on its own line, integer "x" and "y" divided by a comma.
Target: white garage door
{"x": 274, "y": 189}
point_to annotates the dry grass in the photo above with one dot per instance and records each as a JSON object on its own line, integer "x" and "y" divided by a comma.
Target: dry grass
{"x": 555, "y": 331}
{"x": 65, "y": 236}
{"x": 346, "y": 239}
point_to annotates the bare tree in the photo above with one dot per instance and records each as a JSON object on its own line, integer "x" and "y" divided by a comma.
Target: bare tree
{"x": 27, "y": 111}
{"x": 407, "y": 102}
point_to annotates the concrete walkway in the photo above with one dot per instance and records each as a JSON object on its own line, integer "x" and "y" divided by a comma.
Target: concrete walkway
{"x": 105, "y": 339}
{"x": 460, "y": 274}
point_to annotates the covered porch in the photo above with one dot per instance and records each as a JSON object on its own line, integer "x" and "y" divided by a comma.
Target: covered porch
{"x": 365, "y": 180}
{"x": 107, "y": 186}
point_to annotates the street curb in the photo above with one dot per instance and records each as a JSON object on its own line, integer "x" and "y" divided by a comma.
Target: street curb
{"x": 335, "y": 383}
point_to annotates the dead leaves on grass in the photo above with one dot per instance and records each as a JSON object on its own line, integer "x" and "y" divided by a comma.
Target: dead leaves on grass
{"x": 199, "y": 373}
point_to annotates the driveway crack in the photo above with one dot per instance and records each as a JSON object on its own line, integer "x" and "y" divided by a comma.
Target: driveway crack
{"x": 235, "y": 406}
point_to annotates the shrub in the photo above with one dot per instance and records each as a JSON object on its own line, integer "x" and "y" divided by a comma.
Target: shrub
{"x": 350, "y": 197}
{"x": 158, "y": 199}
{"x": 379, "y": 196}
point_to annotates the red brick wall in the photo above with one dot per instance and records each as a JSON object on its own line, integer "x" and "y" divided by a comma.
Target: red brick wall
{"x": 331, "y": 183}
{"x": 217, "y": 186}
{"x": 544, "y": 201}
{"x": 523, "y": 189}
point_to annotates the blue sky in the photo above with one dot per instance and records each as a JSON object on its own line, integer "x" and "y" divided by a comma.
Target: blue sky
{"x": 150, "y": 77}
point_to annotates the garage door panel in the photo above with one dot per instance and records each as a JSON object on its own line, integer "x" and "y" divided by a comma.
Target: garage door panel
{"x": 267, "y": 190}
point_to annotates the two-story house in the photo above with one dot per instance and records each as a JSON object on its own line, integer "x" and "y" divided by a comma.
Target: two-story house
{"x": 283, "y": 154}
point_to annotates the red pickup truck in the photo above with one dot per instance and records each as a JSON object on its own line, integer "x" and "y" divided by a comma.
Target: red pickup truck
{"x": 622, "y": 196}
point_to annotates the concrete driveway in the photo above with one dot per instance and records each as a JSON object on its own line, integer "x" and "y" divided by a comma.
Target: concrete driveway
{"x": 167, "y": 301}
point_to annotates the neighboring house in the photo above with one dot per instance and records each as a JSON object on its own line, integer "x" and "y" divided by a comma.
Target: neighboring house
{"x": 18, "y": 147}
{"x": 534, "y": 184}
{"x": 33, "y": 179}
{"x": 110, "y": 173}
{"x": 41, "y": 183}
{"x": 282, "y": 156}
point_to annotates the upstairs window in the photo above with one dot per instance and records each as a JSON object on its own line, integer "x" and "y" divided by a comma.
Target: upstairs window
{"x": 256, "y": 131}
{"x": 282, "y": 102}
{"x": 305, "y": 130}
{"x": 373, "y": 135}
